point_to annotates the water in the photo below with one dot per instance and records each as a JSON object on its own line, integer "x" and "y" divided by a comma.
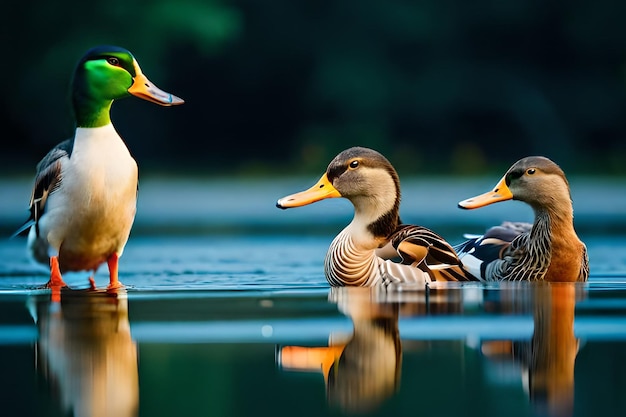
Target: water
{"x": 226, "y": 312}
{"x": 240, "y": 325}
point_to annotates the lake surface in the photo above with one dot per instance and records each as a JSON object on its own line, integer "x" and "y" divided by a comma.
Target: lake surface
{"x": 240, "y": 325}
{"x": 226, "y": 312}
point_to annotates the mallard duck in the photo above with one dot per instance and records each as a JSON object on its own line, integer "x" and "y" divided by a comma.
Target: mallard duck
{"x": 355, "y": 256}
{"x": 549, "y": 249}
{"x": 83, "y": 202}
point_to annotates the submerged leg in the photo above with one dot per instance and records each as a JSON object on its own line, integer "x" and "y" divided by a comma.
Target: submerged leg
{"x": 113, "y": 266}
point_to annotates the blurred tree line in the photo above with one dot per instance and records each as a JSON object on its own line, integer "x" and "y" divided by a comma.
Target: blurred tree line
{"x": 280, "y": 86}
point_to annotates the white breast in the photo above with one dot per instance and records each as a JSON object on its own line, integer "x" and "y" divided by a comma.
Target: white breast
{"x": 94, "y": 208}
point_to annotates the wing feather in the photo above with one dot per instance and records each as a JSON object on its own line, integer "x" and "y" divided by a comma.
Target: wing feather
{"x": 428, "y": 251}
{"x": 492, "y": 255}
{"x": 47, "y": 181}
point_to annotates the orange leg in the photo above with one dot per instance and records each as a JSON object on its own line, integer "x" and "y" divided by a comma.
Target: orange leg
{"x": 113, "y": 266}
{"x": 56, "y": 281}
{"x": 55, "y": 274}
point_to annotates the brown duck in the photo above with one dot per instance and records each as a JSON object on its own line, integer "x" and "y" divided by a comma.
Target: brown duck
{"x": 362, "y": 254}
{"x": 548, "y": 250}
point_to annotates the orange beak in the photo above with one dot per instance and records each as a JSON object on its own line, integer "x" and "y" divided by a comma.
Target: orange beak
{"x": 501, "y": 192}
{"x": 299, "y": 358}
{"x": 321, "y": 190}
{"x": 143, "y": 88}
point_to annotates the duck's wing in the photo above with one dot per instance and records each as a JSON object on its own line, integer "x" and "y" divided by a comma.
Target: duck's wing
{"x": 426, "y": 250}
{"x": 492, "y": 256}
{"x": 47, "y": 180}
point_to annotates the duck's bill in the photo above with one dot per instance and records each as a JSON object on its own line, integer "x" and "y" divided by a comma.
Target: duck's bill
{"x": 321, "y": 190}
{"x": 297, "y": 358}
{"x": 501, "y": 192}
{"x": 143, "y": 88}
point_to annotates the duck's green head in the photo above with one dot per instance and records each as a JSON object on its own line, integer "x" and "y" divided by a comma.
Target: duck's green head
{"x": 107, "y": 73}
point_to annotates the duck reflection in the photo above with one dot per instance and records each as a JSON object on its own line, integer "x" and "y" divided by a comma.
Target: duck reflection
{"x": 86, "y": 352}
{"x": 361, "y": 370}
{"x": 548, "y": 359}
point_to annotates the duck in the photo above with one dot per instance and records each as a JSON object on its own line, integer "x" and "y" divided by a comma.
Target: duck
{"x": 548, "y": 249}
{"x": 84, "y": 197}
{"x": 376, "y": 248}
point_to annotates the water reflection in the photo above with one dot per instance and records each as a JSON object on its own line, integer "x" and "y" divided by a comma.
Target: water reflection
{"x": 547, "y": 360}
{"x": 363, "y": 369}
{"x": 86, "y": 353}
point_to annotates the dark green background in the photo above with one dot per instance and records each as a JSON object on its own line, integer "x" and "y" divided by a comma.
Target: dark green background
{"x": 275, "y": 87}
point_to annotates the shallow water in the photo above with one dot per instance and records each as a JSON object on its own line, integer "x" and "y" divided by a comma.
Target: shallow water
{"x": 247, "y": 325}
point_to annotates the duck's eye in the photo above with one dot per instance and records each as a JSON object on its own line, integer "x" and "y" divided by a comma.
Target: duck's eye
{"x": 354, "y": 164}
{"x": 113, "y": 61}
{"x": 530, "y": 171}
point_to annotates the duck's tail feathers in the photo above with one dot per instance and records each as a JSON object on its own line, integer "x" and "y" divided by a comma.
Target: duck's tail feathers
{"x": 465, "y": 247}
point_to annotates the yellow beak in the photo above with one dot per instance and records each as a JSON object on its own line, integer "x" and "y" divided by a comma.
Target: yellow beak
{"x": 143, "y": 88}
{"x": 501, "y": 192}
{"x": 321, "y": 190}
